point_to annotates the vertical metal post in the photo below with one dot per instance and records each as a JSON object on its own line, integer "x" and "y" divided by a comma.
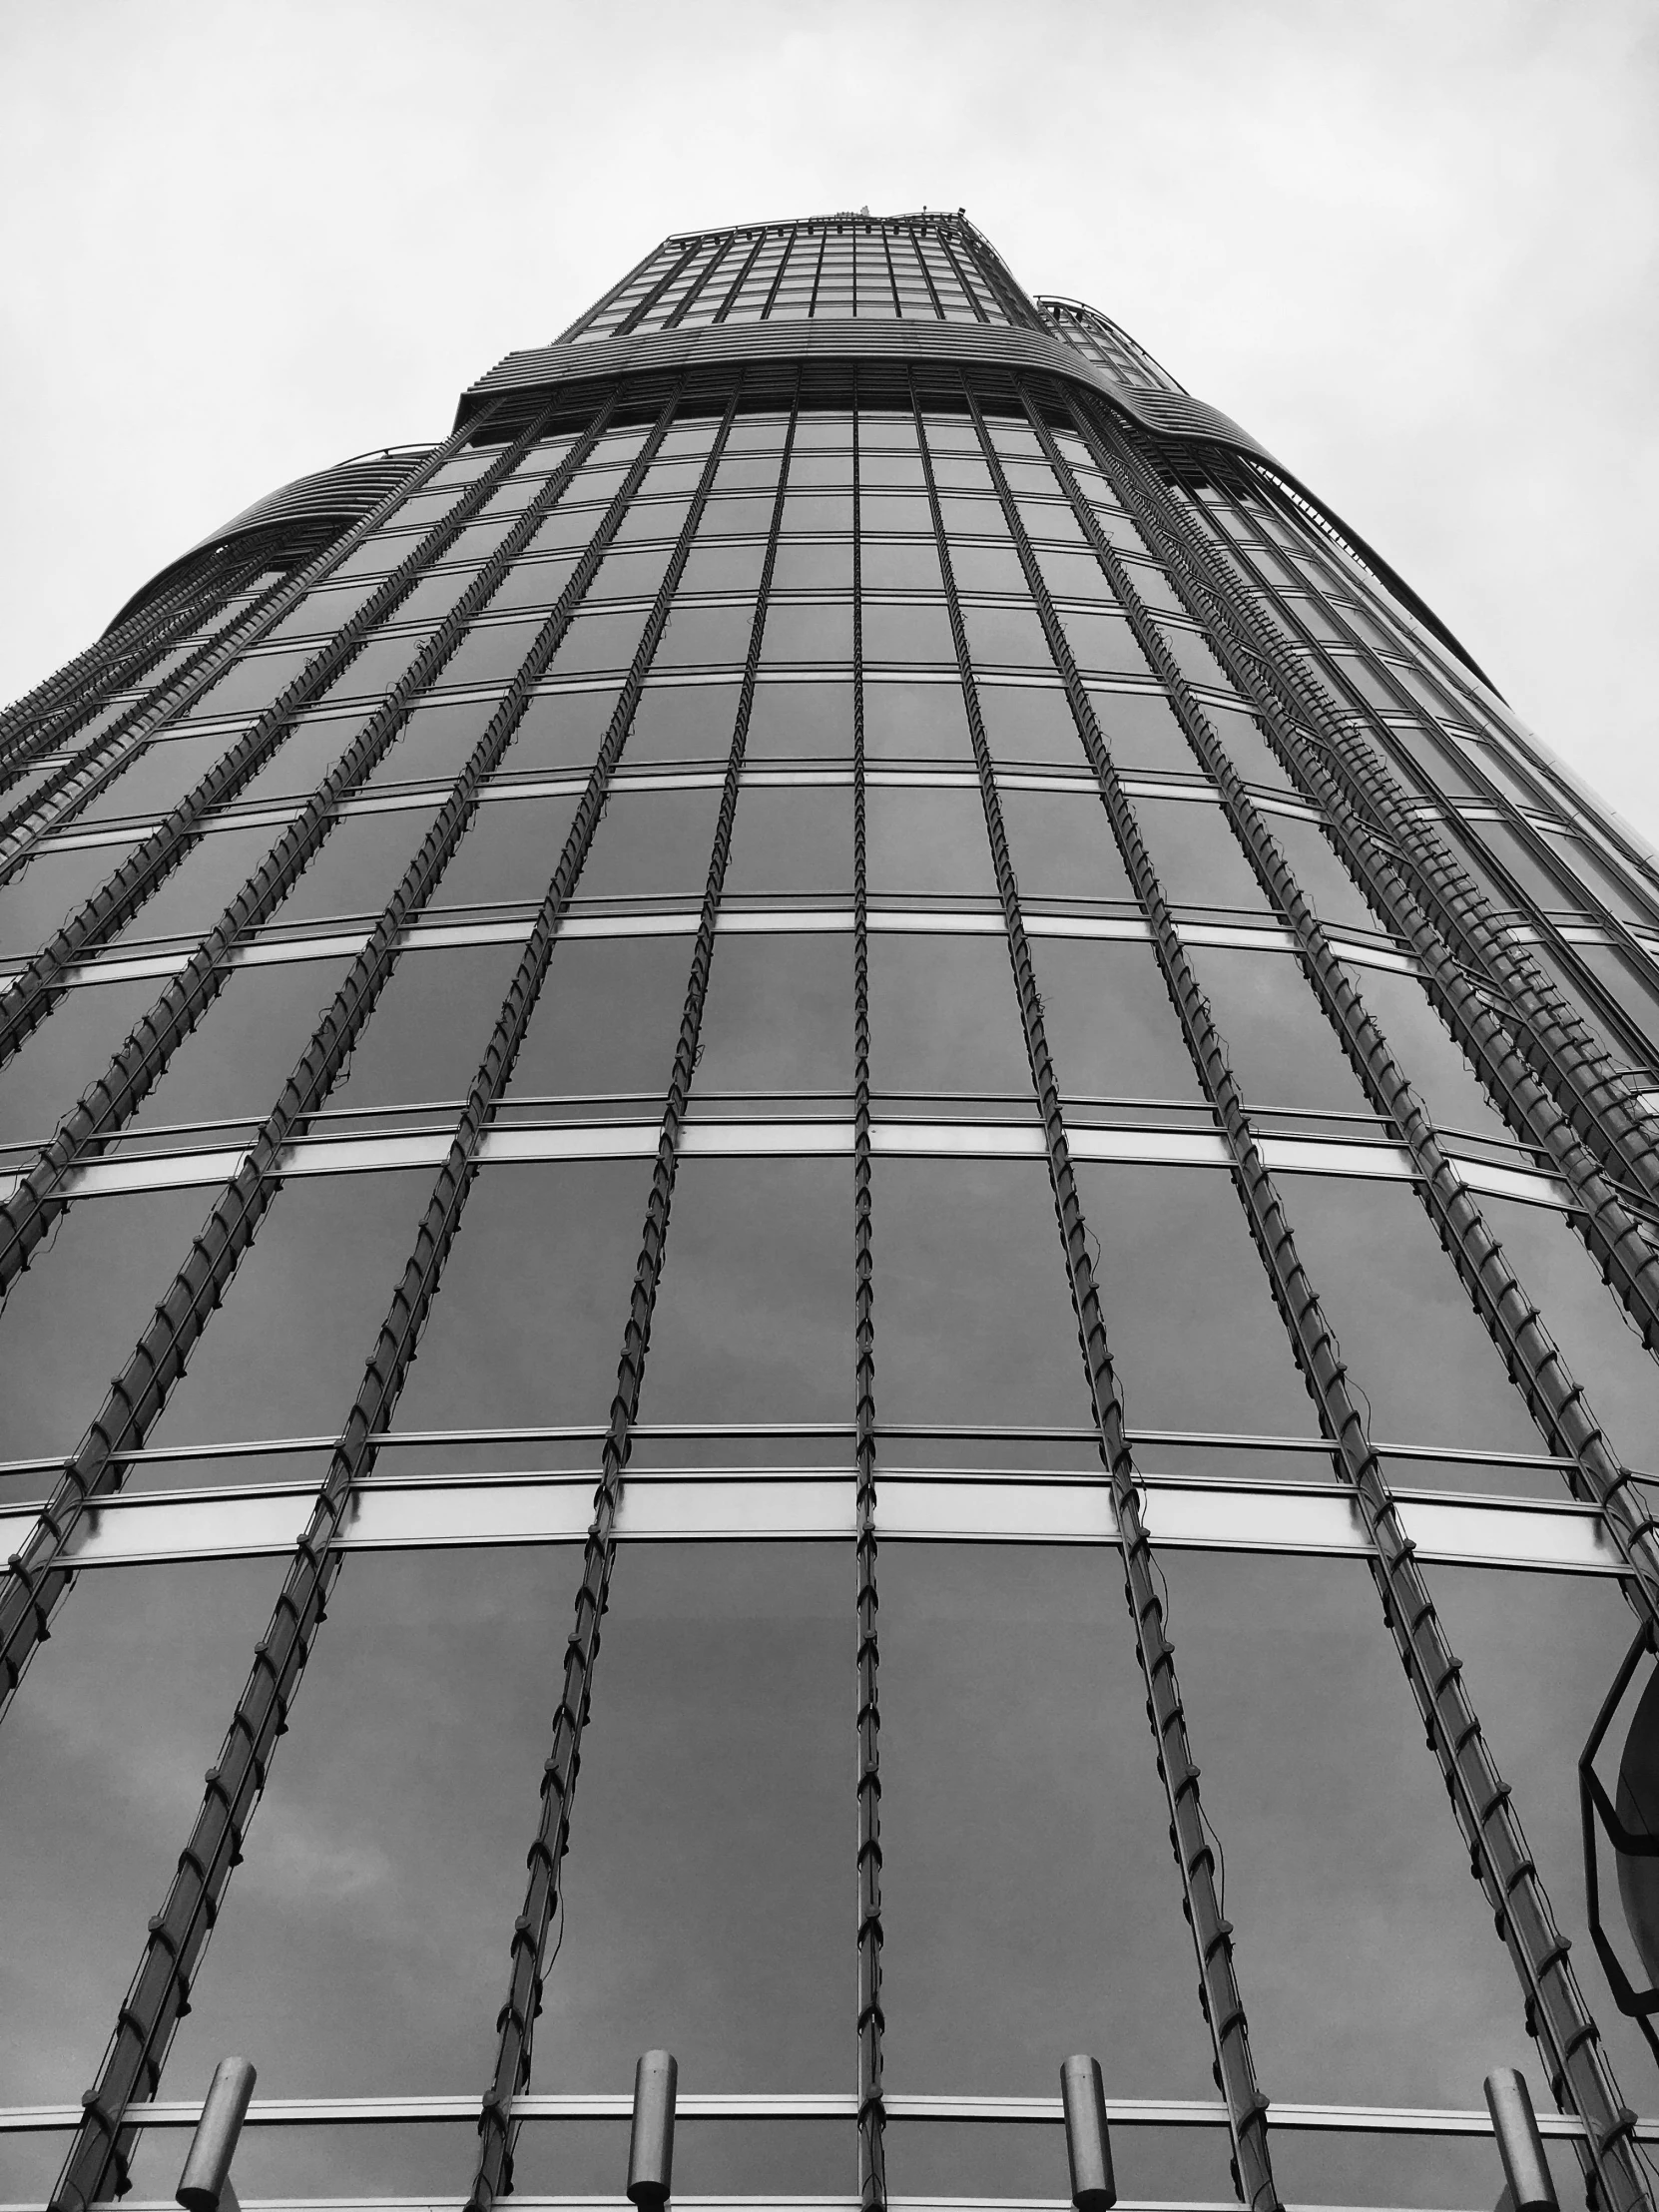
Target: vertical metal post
{"x": 1088, "y": 2138}
{"x": 651, "y": 2138}
{"x": 204, "y": 2184}
{"x": 1519, "y": 2145}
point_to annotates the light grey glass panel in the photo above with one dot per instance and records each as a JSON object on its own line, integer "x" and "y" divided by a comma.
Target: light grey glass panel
{"x": 650, "y": 844}
{"x": 1013, "y": 1669}
{"x": 157, "y": 779}
{"x": 1193, "y": 656}
{"x": 1074, "y": 575}
{"x": 71, "y": 1319}
{"x": 101, "y": 1765}
{"x": 1282, "y": 1049}
{"x": 69, "y": 1050}
{"x": 974, "y": 1321}
{"x": 607, "y": 1020}
{"x": 359, "y": 866}
{"x": 527, "y": 1324}
{"x": 1141, "y": 732}
{"x": 317, "y": 1282}
{"x": 753, "y": 1318}
{"x": 714, "y": 567}
{"x": 891, "y": 565}
{"x": 1249, "y": 750}
{"x": 1192, "y": 1325}
{"x": 916, "y": 630}
{"x": 1628, "y": 991}
{"x": 509, "y": 851}
{"x": 1346, "y": 1875}
{"x": 1435, "y": 1068}
{"x": 47, "y": 890}
{"x": 1406, "y": 1328}
{"x": 322, "y": 613}
{"x": 929, "y": 841}
{"x": 561, "y": 730}
{"x": 944, "y": 1016}
{"x": 987, "y": 567}
{"x": 779, "y": 1015}
{"x": 435, "y": 745}
{"x": 710, "y": 1884}
{"x": 802, "y": 566}
{"x": 363, "y": 1945}
{"x": 29, "y": 2165}
{"x": 810, "y": 633}
{"x": 428, "y": 1030}
{"x": 1324, "y": 881}
{"x": 682, "y": 721}
{"x": 915, "y": 722}
{"x": 722, "y": 2159}
{"x": 596, "y": 641}
{"x": 792, "y": 842}
{"x": 489, "y": 653}
{"x": 1062, "y": 847}
{"x": 432, "y": 597}
{"x": 800, "y": 722}
{"x": 1026, "y": 723}
{"x": 1110, "y": 1024}
{"x": 253, "y": 683}
{"x": 535, "y": 585}
{"x": 705, "y": 636}
{"x": 192, "y": 898}
{"x": 303, "y": 759}
{"x": 1104, "y": 643}
{"x": 235, "y": 1063}
{"x": 633, "y": 572}
{"x": 1198, "y": 859}
{"x": 1011, "y": 636}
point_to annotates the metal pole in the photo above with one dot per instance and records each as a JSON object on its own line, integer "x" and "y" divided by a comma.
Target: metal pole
{"x": 204, "y": 2184}
{"x": 1519, "y": 2144}
{"x": 651, "y": 2140}
{"x": 1088, "y": 2138}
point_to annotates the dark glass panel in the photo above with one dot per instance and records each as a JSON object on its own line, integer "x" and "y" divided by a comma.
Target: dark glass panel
{"x": 792, "y": 842}
{"x": 889, "y": 564}
{"x": 434, "y": 596}
{"x": 974, "y": 1321}
{"x": 322, "y": 613}
{"x": 1405, "y": 1322}
{"x": 435, "y": 745}
{"x": 1070, "y": 575}
{"x": 1193, "y": 656}
{"x": 1141, "y": 732}
{"x": 740, "y": 2158}
{"x": 705, "y": 636}
{"x": 607, "y": 1020}
{"x": 1346, "y": 1873}
{"x": 527, "y": 1324}
{"x": 802, "y": 566}
{"x": 1018, "y": 1663}
{"x": 629, "y": 572}
{"x": 475, "y": 543}
{"x": 191, "y": 899}
{"x": 69, "y": 1050}
{"x": 1629, "y": 991}
{"x": 800, "y": 721}
{"x": 916, "y": 722}
{"x": 944, "y": 1016}
{"x": 1189, "y": 1316}
{"x": 235, "y": 1063}
{"x": 1109, "y": 1021}
{"x": 1325, "y": 882}
{"x": 1198, "y": 859}
{"x": 712, "y": 567}
{"x": 1027, "y": 722}
{"x": 1009, "y": 636}
{"x": 490, "y": 653}
{"x": 317, "y": 1282}
{"x": 650, "y": 844}
{"x": 1062, "y": 847}
{"x": 599, "y": 641}
{"x": 928, "y": 842}
{"x": 47, "y": 889}
{"x": 808, "y": 633}
{"x": 572, "y": 528}
{"x": 362, "y": 1947}
{"x": 1250, "y": 754}
{"x": 987, "y": 567}
{"x": 101, "y": 1763}
{"x": 1104, "y": 642}
{"x": 359, "y": 864}
{"x": 429, "y": 1027}
{"x": 721, "y": 1932}
{"x": 154, "y": 783}
{"x": 919, "y": 630}
{"x": 561, "y": 730}
{"x": 1435, "y": 1068}
{"x": 251, "y": 684}
{"x": 754, "y": 1314}
{"x": 962, "y": 2162}
{"x": 682, "y": 721}
{"x": 374, "y": 669}
{"x": 71, "y": 1319}
{"x": 779, "y": 1015}
{"x": 509, "y": 851}
{"x": 1280, "y": 1046}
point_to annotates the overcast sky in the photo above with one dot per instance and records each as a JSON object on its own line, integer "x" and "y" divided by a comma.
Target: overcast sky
{"x": 1412, "y": 247}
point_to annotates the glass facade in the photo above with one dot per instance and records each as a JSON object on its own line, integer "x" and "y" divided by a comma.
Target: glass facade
{"x": 680, "y": 1077}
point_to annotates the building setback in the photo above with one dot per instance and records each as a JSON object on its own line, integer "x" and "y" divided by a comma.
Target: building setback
{"x": 681, "y": 1081}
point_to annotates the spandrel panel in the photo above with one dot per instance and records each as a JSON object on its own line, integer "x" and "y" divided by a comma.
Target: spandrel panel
{"x": 607, "y": 1020}
{"x": 974, "y": 1321}
{"x": 1019, "y": 1661}
{"x": 70, "y": 1322}
{"x": 650, "y": 844}
{"x": 798, "y": 722}
{"x": 560, "y": 730}
{"x": 1540, "y": 1654}
{"x": 235, "y": 1063}
{"x": 428, "y": 1030}
{"x": 101, "y": 1764}
{"x": 1111, "y": 1028}
{"x": 916, "y": 722}
{"x": 70, "y": 1050}
{"x": 49, "y": 888}
{"x": 1189, "y": 1319}
{"x": 928, "y": 842}
{"x": 944, "y": 1016}
{"x": 359, "y": 866}
{"x": 723, "y": 1933}
{"x": 1347, "y": 1872}
{"x": 682, "y": 722}
{"x": 779, "y": 1015}
{"x": 1324, "y": 882}
{"x": 527, "y": 1324}
{"x": 1026, "y": 723}
{"x": 1407, "y": 1332}
{"x": 1281, "y": 1048}
{"x": 1062, "y": 847}
{"x": 754, "y": 1317}
{"x": 317, "y": 1281}
{"x": 362, "y": 1946}
{"x": 796, "y": 842}
{"x": 155, "y": 780}
{"x": 508, "y": 851}
{"x": 191, "y": 899}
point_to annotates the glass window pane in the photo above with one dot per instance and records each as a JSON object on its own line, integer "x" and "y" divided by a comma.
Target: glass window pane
{"x": 779, "y": 1015}
{"x": 235, "y": 1063}
{"x": 1281, "y": 1047}
{"x": 800, "y": 721}
{"x": 428, "y": 1030}
{"x": 1109, "y": 1022}
{"x": 928, "y": 842}
{"x": 1418, "y": 1039}
{"x": 808, "y": 633}
{"x": 1198, "y": 859}
{"x": 191, "y": 899}
{"x": 1023, "y": 722}
{"x": 359, "y": 864}
{"x": 47, "y": 889}
{"x": 71, "y": 1049}
{"x": 560, "y": 730}
{"x": 915, "y": 722}
{"x": 650, "y": 844}
{"x": 155, "y": 782}
{"x": 433, "y": 745}
{"x": 792, "y": 842}
{"x": 607, "y": 1020}
{"x": 944, "y": 1016}
{"x": 917, "y": 630}
{"x": 508, "y": 851}
{"x": 682, "y": 721}
{"x": 1141, "y": 732}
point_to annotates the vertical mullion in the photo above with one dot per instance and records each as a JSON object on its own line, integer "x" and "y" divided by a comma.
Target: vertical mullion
{"x": 133, "y": 2061}
{"x": 1481, "y": 1802}
{"x": 873, "y": 2172}
{"x": 1212, "y": 1935}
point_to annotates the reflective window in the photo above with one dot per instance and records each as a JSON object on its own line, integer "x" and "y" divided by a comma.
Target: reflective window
{"x": 800, "y": 722}
{"x": 808, "y": 633}
{"x": 69, "y": 1051}
{"x": 1198, "y": 859}
{"x": 779, "y": 1015}
{"x": 305, "y": 756}
{"x": 1278, "y": 1042}
{"x": 650, "y": 844}
{"x": 508, "y": 850}
{"x": 792, "y": 842}
{"x": 607, "y": 1020}
{"x": 235, "y": 1063}
{"x": 1062, "y": 847}
{"x": 919, "y": 630}
{"x": 944, "y": 1016}
{"x": 709, "y": 635}
{"x": 928, "y": 842}
{"x": 915, "y": 721}
{"x": 157, "y": 779}
{"x": 561, "y": 730}
{"x": 1111, "y": 1028}
{"x": 490, "y": 653}
{"x": 1023, "y": 722}
{"x": 359, "y": 864}
{"x": 47, "y": 890}
{"x": 428, "y": 1030}
{"x": 434, "y": 744}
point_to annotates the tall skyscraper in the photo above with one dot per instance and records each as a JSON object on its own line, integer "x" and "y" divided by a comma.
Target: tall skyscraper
{"x": 849, "y": 916}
